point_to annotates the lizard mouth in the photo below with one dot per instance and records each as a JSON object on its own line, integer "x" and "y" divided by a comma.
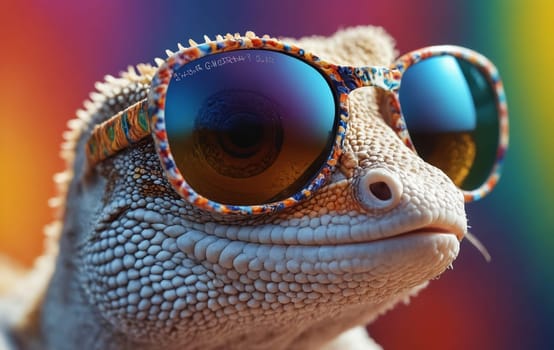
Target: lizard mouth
{"x": 431, "y": 244}
{"x": 334, "y": 246}
{"x": 365, "y": 234}
{"x": 432, "y": 229}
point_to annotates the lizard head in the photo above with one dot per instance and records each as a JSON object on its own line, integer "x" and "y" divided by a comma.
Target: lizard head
{"x": 151, "y": 269}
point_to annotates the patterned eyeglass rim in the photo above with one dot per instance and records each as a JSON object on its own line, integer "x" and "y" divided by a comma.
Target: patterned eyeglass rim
{"x": 147, "y": 117}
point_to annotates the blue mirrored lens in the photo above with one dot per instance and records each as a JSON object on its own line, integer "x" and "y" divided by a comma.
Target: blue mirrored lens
{"x": 451, "y": 114}
{"x": 249, "y": 126}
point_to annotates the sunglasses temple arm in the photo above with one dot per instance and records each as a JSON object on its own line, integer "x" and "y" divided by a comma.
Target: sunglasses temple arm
{"x": 118, "y": 132}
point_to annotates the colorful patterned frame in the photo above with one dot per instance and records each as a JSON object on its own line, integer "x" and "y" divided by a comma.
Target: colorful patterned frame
{"x": 147, "y": 116}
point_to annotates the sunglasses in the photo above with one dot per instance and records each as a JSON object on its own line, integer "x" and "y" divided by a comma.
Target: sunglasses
{"x": 252, "y": 125}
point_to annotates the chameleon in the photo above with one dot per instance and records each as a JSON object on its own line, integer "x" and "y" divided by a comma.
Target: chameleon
{"x": 130, "y": 264}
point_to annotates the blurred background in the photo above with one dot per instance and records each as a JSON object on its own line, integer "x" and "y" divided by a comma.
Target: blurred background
{"x": 52, "y": 52}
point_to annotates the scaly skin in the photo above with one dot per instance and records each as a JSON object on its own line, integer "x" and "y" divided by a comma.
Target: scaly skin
{"x": 138, "y": 267}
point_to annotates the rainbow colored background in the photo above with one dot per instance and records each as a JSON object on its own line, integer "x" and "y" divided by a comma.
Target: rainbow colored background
{"x": 52, "y": 52}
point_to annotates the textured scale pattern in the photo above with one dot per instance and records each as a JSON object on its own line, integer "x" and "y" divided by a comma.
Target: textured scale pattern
{"x": 146, "y": 276}
{"x": 140, "y": 267}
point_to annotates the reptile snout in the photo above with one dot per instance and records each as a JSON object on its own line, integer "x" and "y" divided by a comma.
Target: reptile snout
{"x": 378, "y": 189}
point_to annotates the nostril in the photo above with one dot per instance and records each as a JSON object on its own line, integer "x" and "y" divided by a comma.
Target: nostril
{"x": 381, "y": 190}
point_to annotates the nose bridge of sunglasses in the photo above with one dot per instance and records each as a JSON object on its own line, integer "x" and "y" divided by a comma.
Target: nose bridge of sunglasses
{"x": 381, "y": 77}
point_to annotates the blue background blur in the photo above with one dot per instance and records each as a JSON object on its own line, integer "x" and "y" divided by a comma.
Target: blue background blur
{"x": 54, "y": 51}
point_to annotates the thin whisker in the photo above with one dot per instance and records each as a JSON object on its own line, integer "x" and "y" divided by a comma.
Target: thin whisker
{"x": 480, "y": 246}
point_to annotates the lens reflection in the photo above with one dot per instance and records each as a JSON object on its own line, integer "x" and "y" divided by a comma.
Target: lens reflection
{"x": 451, "y": 114}
{"x": 249, "y": 126}
{"x": 238, "y": 133}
